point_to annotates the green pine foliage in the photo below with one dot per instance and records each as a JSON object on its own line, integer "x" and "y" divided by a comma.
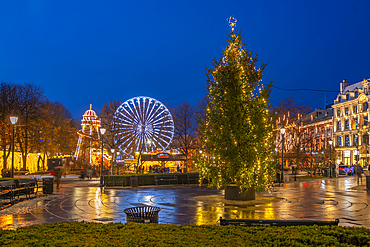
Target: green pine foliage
{"x": 236, "y": 130}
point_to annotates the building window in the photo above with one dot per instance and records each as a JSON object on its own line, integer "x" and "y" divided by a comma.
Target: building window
{"x": 346, "y": 141}
{"x": 356, "y": 94}
{"x": 339, "y": 141}
{"x": 338, "y": 126}
{"x": 356, "y": 139}
{"x": 354, "y": 123}
{"x": 346, "y": 126}
{"x": 346, "y": 111}
{"x": 338, "y": 113}
{"x": 347, "y": 96}
{"x": 339, "y": 98}
{"x": 365, "y": 106}
{"x": 365, "y": 139}
{"x": 329, "y": 133}
{"x": 354, "y": 109}
{"x": 365, "y": 121}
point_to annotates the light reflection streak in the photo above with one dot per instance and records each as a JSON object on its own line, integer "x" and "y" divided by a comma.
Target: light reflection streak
{"x": 323, "y": 185}
{"x": 269, "y": 212}
{"x": 6, "y": 222}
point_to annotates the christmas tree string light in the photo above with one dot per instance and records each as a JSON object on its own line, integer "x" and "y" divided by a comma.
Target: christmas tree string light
{"x": 237, "y": 131}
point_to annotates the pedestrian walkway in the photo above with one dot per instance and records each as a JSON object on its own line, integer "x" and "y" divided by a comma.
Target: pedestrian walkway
{"x": 77, "y": 200}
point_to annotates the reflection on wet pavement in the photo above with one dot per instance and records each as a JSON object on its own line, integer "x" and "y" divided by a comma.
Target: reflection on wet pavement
{"x": 316, "y": 199}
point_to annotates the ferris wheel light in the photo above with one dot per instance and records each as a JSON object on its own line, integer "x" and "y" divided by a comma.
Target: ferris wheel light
{"x": 144, "y": 124}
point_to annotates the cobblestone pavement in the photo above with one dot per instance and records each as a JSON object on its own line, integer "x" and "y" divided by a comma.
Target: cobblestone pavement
{"x": 326, "y": 199}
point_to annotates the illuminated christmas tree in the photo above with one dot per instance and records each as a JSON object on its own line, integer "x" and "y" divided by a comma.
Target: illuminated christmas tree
{"x": 236, "y": 131}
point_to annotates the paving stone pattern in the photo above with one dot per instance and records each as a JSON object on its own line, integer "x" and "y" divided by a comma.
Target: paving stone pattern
{"x": 327, "y": 199}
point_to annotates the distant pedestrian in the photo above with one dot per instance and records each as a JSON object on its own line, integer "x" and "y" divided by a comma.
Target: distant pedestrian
{"x": 89, "y": 174}
{"x": 359, "y": 171}
{"x": 58, "y": 175}
{"x": 82, "y": 174}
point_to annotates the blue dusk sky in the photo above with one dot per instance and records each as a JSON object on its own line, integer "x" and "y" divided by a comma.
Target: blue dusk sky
{"x": 92, "y": 52}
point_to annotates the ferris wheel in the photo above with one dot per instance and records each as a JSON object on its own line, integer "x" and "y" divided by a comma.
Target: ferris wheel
{"x": 144, "y": 124}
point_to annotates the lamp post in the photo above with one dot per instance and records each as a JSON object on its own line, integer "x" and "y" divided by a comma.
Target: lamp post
{"x": 112, "y": 161}
{"x": 330, "y": 143}
{"x": 102, "y": 131}
{"x": 282, "y": 131}
{"x": 13, "y": 120}
{"x": 117, "y": 167}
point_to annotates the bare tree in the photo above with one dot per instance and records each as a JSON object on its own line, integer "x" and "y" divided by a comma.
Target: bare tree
{"x": 288, "y": 107}
{"x": 31, "y": 99}
{"x": 8, "y": 104}
{"x": 56, "y": 129}
{"x": 106, "y": 117}
{"x": 184, "y": 117}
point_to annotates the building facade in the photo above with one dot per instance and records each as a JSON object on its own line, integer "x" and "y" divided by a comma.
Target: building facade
{"x": 350, "y": 123}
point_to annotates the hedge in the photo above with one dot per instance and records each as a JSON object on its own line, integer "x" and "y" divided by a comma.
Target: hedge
{"x": 144, "y": 179}
{"x": 133, "y": 234}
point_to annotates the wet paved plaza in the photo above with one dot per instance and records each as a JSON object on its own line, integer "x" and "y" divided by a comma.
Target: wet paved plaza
{"x": 329, "y": 199}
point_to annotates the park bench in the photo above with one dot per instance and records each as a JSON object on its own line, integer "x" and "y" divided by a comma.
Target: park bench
{"x": 193, "y": 177}
{"x": 20, "y": 188}
{"x": 31, "y": 186}
{"x": 6, "y": 189}
{"x": 252, "y": 222}
{"x": 168, "y": 178}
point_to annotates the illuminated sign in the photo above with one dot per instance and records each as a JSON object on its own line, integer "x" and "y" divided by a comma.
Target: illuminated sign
{"x": 163, "y": 156}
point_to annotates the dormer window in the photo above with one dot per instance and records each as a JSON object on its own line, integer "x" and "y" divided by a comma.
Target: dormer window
{"x": 347, "y": 96}
{"x": 356, "y": 94}
{"x": 339, "y": 98}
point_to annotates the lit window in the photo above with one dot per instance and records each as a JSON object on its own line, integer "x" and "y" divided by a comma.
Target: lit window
{"x": 346, "y": 141}
{"x": 339, "y": 141}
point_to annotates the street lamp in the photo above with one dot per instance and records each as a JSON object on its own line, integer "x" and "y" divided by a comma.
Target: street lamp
{"x": 330, "y": 143}
{"x": 282, "y": 131}
{"x": 13, "y": 120}
{"x": 111, "y": 165}
{"x": 102, "y": 131}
